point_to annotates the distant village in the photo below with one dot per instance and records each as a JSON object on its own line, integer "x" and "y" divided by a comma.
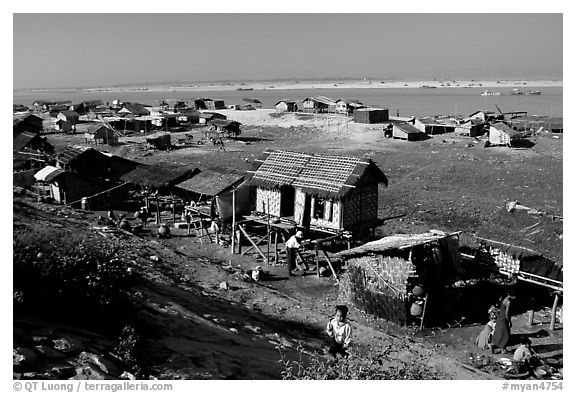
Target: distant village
{"x": 329, "y": 197}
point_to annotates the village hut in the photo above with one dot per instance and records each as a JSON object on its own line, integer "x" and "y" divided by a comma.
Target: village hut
{"x": 255, "y": 102}
{"x": 472, "y": 127}
{"x": 188, "y": 116}
{"x": 205, "y": 117}
{"x": 431, "y": 125}
{"x": 286, "y": 106}
{"x": 230, "y": 127}
{"x": 70, "y": 117}
{"x": 99, "y": 133}
{"x": 159, "y": 140}
{"x": 407, "y": 132}
{"x": 348, "y": 106}
{"x": 320, "y": 104}
{"x": 27, "y": 122}
{"x": 319, "y": 191}
{"x": 501, "y": 134}
{"x": 70, "y": 188}
{"x": 213, "y": 187}
{"x": 134, "y": 108}
{"x": 28, "y": 142}
{"x": 370, "y": 115}
{"x": 525, "y": 243}
{"x": 48, "y": 106}
{"x": 85, "y": 162}
{"x": 159, "y": 177}
{"x": 391, "y": 277}
{"x": 485, "y": 116}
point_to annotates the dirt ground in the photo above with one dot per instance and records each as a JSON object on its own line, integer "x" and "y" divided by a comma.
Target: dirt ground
{"x": 448, "y": 182}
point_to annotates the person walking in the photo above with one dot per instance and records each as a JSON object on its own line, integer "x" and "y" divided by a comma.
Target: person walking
{"x": 292, "y": 246}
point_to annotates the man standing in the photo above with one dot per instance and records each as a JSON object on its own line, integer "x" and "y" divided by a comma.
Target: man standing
{"x": 292, "y": 246}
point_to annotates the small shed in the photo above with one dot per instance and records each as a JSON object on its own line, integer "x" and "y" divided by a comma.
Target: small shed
{"x": 286, "y": 106}
{"x": 230, "y": 127}
{"x": 255, "y": 102}
{"x": 69, "y": 188}
{"x": 485, "y": 116}
{"x": 431, "y": 125}
{"x": 134, "y": 108}
{"x": 71, "y": 117}
{"x": 205, "y": 117}
{"x": 159, "y": 140}
{"x": 27, "y": 122}
{"x": 28, "y": 141}
{"x": 503, "y": 135}
{"x": 348, "y": 106}
{"x": 407, "y": 132}
{"x": 392, "y": 276}
{"x": 100, "y": 133}
{"x": 320, "y": 104}
{"x": 319, "y": 191}
{"x": 472, "y": 127}
{"x": 371, "y": 115}
{"x": 84, "y": 161}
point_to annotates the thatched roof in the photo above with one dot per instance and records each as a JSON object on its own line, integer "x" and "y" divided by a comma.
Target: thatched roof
{"x": 407, "y": 128}
{"x": 392, "y": 242}
{"x": 24, "y": 139}
{"x": 158, "y": 176}
{"x": 530, "y": 233}
{"x": 323, "y": 175}
{"x": 71, "y": 153}
{"x": 211, "y": 182}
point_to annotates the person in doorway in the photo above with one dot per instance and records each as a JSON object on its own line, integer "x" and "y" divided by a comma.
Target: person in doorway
{"x": 503, "y": 325}
{"x": 292, "y": 246}
{"x": 340, "y": 332}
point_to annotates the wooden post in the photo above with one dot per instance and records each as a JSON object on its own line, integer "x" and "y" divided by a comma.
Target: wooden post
{"x": 233, "y": 237}
{"x": 254, "y": 244}
{"x": 530, "y": 317}
{"x": 268, "y": 230}
{"x": 423, "y": 312}
{"x": 554, "y": 307}
{"x": 173, "y": 211}
{"x": 275, "y": 246}
{"x": 317, "y": 260}
{"x": 157, "y": 211}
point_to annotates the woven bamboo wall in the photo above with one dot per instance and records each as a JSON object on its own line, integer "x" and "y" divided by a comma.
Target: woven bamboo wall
{"x": 361, "y": 205}
{"x": 505, "y": 261}
{"x": 383, "y": 304}
{"x": 265, "y": 196}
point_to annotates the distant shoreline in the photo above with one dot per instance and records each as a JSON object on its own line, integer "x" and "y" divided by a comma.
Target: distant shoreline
{"x": 309, "y": 85}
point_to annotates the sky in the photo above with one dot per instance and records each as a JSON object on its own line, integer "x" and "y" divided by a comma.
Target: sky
{"x": 52, "y": 50}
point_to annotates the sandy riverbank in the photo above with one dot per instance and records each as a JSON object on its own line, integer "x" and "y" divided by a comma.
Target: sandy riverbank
{"x": 336, "y": 84}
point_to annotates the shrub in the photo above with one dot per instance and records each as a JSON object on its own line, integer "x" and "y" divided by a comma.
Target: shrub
{"x": 69, "y": 270}
{"x": 376, "y": 364}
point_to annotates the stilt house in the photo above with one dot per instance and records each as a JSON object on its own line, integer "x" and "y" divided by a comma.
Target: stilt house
{"x": 319, "y": 191}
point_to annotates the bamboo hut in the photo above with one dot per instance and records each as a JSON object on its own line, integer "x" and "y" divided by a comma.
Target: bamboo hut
{"x": 319, "y": 191}
{"x": 392, "y": 276}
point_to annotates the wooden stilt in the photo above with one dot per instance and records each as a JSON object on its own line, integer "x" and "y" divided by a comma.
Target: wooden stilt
{"x": 330, "y": 265}
{"x": 275, "y": 246}
{"x": 253, "y": 243}
{"x": 157, "y": 211}
{"x": 553, "y": 316}
{"x": 233, "y": 237}
{"x": 423, "y": 312}
{"x": 317, "y": 260}
{"x": 530, "y": 317}
{"x": 258, "y": 241}
{"x": 173, "y": 211}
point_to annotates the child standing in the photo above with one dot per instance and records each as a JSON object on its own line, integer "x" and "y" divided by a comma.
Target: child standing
{"x": 340, "y": 331}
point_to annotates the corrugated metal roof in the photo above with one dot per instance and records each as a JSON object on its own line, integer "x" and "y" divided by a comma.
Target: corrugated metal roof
{"x": 48, "y": 173}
